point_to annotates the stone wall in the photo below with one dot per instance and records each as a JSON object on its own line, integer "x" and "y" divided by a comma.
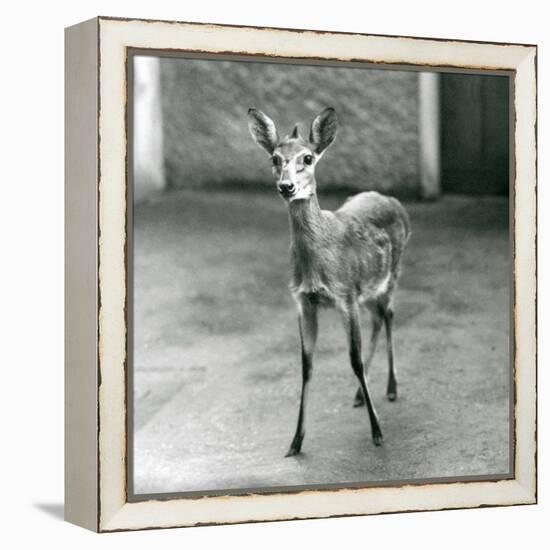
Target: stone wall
{"x": 205, "y": 133}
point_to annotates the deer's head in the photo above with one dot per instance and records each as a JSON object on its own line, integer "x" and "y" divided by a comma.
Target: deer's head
{"x": 293, "y": 158}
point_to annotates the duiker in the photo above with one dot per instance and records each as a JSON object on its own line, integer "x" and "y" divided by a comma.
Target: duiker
{"x": 348, "y": 259}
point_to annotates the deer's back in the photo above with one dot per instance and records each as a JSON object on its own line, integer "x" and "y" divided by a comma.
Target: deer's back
{"x": 377, "y": 229}
{"x": 380, "y": 210}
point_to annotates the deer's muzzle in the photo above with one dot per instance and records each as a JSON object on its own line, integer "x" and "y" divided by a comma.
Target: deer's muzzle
{"x": 286, "y": 188}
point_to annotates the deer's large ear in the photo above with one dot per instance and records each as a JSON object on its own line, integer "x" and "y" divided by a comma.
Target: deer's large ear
{"x": 323, "y": 129}
{"x": 262, "y": 129}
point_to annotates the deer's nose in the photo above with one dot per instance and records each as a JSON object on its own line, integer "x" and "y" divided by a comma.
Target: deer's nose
{"x": 286, "y": 188}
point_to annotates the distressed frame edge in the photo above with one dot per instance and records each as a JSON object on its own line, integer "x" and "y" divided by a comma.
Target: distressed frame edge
{"x": 521, "y": 490}
{"x": 525, "y": 272}
{"x": 81, "y": 476}
{"x": 164, "y": 518}
{"x": 302, "y": 30}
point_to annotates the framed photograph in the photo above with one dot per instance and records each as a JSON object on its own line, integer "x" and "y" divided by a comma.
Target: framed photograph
{"x": 300, "y": 274}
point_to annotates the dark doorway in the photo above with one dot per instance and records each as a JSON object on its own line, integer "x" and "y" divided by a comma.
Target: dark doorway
{"x": 475, "y": 134}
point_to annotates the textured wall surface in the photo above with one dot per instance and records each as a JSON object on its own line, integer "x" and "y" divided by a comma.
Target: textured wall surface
{"x": 206, "y": 137}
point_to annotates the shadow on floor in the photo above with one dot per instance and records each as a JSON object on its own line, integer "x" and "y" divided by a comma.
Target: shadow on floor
{"x": 52, "y": 509}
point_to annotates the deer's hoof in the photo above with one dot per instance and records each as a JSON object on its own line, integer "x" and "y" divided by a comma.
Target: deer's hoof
{"x": 392, "y": 395}
{"x": 292, "y": 452}
{"x": 358, "y": 400}
{"x": 377, "y": 439}
{"x": 296, "y": 445}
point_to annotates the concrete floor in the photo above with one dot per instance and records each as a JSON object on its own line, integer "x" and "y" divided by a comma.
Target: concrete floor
{"x": 217, "y": 364}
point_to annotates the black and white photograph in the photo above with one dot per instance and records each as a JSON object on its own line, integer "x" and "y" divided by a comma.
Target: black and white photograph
{"x": 274, "y": 275}
{"x": 320, "y": 291}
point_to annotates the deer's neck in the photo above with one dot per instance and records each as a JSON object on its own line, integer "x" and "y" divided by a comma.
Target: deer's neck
{"x": 308, "y": 251}
{"x": 306, "y": 226}
{"x": 306, "y": 220}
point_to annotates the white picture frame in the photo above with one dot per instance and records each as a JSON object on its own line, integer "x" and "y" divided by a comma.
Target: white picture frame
{"x": 96, "y": 495}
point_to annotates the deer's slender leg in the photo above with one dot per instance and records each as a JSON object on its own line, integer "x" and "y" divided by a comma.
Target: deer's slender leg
{"x": 391, "y": 391}
{"x": 353, "y": 330}
{"x": 308, "y": 337}
{"x": 359, "y": 400}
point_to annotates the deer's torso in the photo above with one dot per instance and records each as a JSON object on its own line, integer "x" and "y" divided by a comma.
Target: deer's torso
{"x": 341, "y": 255}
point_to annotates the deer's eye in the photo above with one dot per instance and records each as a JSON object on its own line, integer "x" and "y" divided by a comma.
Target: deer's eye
{"x": 276, "y": 161}
{"x": 308, "y": 159}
